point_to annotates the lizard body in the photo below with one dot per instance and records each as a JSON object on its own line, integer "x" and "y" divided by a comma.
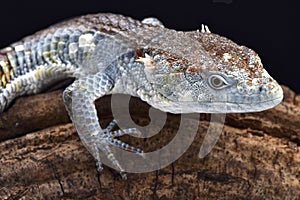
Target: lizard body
{"x": 174, "y": 71}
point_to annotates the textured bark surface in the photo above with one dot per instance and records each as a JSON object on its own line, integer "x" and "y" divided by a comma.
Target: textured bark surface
{"x": 256, "y": 157}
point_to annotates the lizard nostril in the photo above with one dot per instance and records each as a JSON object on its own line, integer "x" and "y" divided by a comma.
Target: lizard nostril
{"x": 260, "y": 89}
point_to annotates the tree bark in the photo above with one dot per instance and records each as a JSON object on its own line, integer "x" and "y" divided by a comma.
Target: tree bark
{"x": 256, "y": 157}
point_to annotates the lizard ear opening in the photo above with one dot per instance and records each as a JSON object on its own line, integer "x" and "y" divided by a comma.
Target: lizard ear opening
{"x": 217, "y": 82}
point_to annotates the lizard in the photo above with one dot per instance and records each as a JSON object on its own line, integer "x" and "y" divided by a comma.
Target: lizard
{"x": 173, "y": 71}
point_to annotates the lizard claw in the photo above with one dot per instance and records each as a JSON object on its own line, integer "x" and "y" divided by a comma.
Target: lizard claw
{"x": 99, "y": 166}
{"x": 123, "y": 175}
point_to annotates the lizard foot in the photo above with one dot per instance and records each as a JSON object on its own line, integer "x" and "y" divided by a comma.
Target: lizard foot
{"x": 109, "y": 140}
{"x": 118, "y": 143}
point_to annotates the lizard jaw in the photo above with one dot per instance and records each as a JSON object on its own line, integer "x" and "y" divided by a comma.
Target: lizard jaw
{"x": 231, "y": 105}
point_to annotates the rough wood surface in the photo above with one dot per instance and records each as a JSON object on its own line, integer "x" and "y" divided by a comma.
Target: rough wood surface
{"x": 256, "y": 157}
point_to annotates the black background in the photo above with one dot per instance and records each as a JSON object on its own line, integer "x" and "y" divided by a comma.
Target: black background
{"x": 270, "y": 28}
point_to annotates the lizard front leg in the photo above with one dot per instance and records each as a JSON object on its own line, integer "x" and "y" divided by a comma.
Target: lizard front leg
{"x": 79, "y": 100}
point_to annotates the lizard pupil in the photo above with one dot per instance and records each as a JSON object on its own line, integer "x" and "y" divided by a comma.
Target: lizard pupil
{"x": 217, "y": 82}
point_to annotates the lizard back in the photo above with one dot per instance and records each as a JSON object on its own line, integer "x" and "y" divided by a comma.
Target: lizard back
{"x": 64, "y": 50}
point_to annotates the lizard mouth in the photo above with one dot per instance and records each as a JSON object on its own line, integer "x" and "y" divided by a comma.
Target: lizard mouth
{"x": 241, "y": 106}
{"x": 247, "y": 106}
{"x": 258, "y": 102}
{"x": 253, "y": 107}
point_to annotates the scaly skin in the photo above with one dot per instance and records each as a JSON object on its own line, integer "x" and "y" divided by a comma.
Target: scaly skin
{"x": 177, "y": 72}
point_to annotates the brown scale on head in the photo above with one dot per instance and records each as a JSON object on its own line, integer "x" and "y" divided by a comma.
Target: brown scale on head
{"x": 230, "y": 56}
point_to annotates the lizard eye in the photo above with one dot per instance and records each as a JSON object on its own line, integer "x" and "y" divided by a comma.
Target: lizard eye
{"x": 217, "y": 81}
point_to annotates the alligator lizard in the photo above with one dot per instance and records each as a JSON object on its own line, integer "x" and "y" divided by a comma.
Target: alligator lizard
{"x": 174, "y": 71}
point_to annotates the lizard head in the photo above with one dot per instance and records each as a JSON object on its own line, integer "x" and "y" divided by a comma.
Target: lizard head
{"x": 226, "y": 78}
{"x": 239, "y": 72}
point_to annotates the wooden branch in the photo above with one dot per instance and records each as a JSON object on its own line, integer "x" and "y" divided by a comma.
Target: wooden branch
{"x": 256, "y": 157}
